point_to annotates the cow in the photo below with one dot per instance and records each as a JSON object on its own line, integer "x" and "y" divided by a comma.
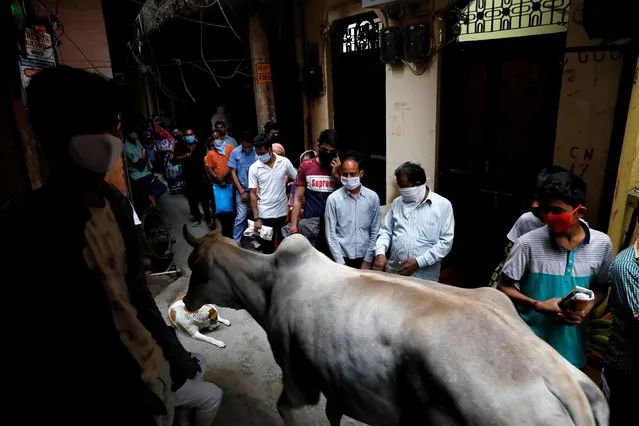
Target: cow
{"x": 391, "y": 350}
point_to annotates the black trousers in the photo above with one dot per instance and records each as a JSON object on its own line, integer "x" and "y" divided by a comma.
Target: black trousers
{"x": 321, "y": 244}
{"x": 277, "y": 224}
{"x": 354, "y": 263}
{"x": 227, "y": 220}
{"x": 196, "y": 194}
{"x": 623, "y": 396}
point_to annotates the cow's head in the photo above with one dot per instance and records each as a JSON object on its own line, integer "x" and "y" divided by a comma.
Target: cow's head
{"x": 210, "y": 283}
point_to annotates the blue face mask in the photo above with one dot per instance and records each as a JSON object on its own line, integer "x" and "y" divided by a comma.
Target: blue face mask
{"x": 189, "y": 138}
{"x": 265, "y": 158}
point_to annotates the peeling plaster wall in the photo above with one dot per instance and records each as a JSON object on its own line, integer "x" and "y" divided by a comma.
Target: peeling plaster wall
{"x": 586, "y": 112}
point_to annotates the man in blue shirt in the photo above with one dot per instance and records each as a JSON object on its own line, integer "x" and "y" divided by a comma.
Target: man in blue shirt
{"x": 241, "y": 159}
{"x": 221, "y": 126}
{"x": 550, "y": 261}
{"x": 352, "y": 219}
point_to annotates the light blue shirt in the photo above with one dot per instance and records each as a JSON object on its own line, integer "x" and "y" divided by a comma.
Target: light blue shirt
{"x": 133, "y": 154}
{"x": 230, "y": 140}
{"x": 352, "y": 224}
{"x": 241, "y": 162}
{"x": 424, "y": 232}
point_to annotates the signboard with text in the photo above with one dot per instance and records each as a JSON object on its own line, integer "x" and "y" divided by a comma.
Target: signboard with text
{"x": 39, "y": 46}
{"x": 263, "y": 73}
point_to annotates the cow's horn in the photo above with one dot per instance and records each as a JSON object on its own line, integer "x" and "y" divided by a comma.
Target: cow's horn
{"x": 190, "y": 239}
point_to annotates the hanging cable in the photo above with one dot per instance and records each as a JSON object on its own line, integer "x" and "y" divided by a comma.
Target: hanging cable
{"x": 209, "y": 5}
{"x": 219, "y": 3}
{"x": 64, "y": 33}
{"x": 202, "y": 51}
{"x": 189, "y": 19}
{"x": 179, "y": 64}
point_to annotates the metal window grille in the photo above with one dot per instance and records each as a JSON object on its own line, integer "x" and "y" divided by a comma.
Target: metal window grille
{"x": 487, "y": 16}
{"x": 361, "y": 36}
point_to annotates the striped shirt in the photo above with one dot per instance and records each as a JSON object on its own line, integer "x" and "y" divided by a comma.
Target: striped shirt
{"x": 545, "y": 270}
{"x": 424, "y": 232}
{"x": 623, "y": 344}
{"x": 352, "y": 224}
{"x": 527, "y": 222}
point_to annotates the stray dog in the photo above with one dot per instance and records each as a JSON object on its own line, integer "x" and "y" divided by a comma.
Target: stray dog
{"x": 192, "y": 322}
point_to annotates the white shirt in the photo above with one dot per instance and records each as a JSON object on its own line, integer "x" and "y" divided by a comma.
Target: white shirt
{"x": 527, "y": 222}
{"x": 424, "y": 232}
{"x": 270, "y": 182}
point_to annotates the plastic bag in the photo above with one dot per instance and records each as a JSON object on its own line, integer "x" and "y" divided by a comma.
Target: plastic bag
{"x": 223, "y": 196}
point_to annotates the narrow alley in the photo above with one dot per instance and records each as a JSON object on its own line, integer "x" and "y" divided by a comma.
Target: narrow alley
{"x": 444, "y": 193}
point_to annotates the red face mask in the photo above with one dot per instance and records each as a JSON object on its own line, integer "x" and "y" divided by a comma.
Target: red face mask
{"x": 559, "y": 223}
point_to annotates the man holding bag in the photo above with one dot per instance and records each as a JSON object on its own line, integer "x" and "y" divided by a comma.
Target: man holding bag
{"x": 216, "y": 162}
{"x": 267, "y": 175}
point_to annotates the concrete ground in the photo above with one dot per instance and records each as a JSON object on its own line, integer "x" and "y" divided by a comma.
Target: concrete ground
{"x": 245, "y": 369}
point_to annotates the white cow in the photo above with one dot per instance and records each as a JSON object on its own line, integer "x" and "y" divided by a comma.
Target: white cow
{"x": 390, "y": 350}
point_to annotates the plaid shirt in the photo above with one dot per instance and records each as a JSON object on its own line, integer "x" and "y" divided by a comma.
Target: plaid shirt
{"x": 623, "y": 344}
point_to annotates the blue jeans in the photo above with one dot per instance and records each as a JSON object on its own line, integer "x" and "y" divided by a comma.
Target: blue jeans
{"x": 241, "y": 216}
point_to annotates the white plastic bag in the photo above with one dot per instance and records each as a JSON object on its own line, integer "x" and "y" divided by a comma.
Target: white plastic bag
{"x": 265, "y": 232}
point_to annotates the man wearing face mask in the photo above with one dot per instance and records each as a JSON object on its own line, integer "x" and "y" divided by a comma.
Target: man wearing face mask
{"x": 241, "y": 159}
{"x": 418, "y": 229}
{"x": 122, "y": 366}
{"x": 316, "y": 180}
{"x": 272, "y": 130}
{"x": 549, "y": 262}
{"x": 527, "y": 222}
{"x": 267, "y": 176}
{"x": 217, "y": 167}
{"x": 352, "y": 219}
{"x": 221, "y": 127}
{"x": 190, "y": 153}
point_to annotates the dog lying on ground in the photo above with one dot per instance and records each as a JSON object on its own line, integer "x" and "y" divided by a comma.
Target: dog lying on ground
{"x": 192, "y": 322}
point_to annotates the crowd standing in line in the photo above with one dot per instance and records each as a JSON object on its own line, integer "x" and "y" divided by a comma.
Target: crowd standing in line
{"x": 145, "y": 371}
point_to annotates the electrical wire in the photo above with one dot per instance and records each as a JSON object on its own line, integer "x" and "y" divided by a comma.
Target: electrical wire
{"x": 54, "y": 18}
{"x": 210, "y": 61}
{"x": 179, "y": 64}
{"x": 64, "y": 33}
{"x": 202, "y": 51}
{"x": 219, "y": 3}
{"x": 209, "y": 5}
{"x": 189, "y": 19}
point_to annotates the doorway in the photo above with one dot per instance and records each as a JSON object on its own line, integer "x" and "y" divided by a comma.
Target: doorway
{"x": 499, "y": 105}
{"x": 359, "y": 95}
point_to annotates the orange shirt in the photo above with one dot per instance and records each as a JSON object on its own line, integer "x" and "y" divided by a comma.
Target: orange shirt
{"x": 218, "y": 162}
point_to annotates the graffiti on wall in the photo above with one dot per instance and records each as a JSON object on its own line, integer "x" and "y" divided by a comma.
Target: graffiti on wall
{"x": 581, "y": 160}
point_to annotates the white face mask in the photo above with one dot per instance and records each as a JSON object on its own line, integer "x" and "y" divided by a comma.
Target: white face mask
{"x": 265, "y": 158}
{"x": 95, "y": 153}
{"x": 351, "y": 183}
{"x": 413, "y": 195}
